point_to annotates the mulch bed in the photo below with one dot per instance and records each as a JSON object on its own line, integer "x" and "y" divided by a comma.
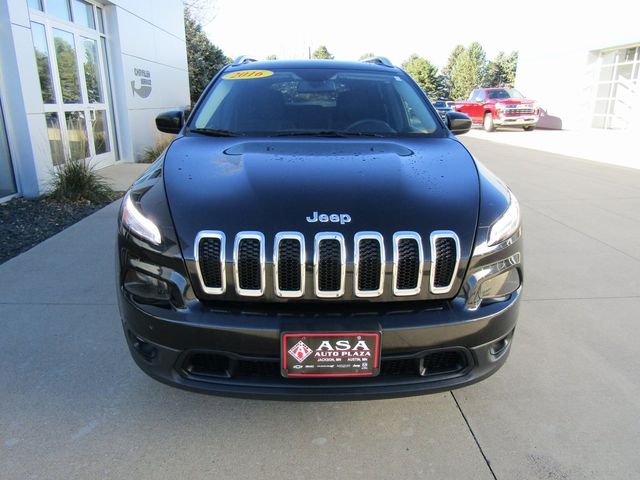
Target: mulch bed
{"x": 26, "y": 223}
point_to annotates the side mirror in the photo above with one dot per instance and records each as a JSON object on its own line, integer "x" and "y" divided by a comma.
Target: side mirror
{"x": 458, "y": 122}
{"x": 170, "y": 122}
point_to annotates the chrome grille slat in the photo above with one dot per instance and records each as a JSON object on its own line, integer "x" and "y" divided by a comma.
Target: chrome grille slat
{"x": 289, "y": 264}
{"x": 368, "y": 264}
{"x": 408, "y": 263}
{"x": 329, "y": 264}
{"x": 445, "y": 258}
{"x": 211, "y": 270}
{"x": 249, "y": 263}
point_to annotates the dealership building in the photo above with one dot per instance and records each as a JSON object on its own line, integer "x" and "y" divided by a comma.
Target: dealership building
{"x": 586, "y": 83}
{"x": 84, "y": 79}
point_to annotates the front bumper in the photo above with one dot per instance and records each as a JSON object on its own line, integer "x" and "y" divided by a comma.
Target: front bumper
{"x": 522, "y": 121}
{"x": 163, "y": 340}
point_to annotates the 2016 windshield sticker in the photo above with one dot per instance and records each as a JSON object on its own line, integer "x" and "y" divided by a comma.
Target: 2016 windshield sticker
{"x": 248, "y": 74}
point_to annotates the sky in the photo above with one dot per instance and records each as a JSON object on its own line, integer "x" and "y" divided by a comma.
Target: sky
{"x": 398, "y": 28}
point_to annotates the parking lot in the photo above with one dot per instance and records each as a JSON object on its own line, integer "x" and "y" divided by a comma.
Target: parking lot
{"x": 565, "y": 405}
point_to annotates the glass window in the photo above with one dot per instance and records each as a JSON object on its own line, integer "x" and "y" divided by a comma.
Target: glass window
{"x": 67, "y": 66}
{"x": 604, "y": 90}
{"x": 7, "y": 183}
{"x": 55, "y": 138}
{"x": 606, "y": 74}
{"x": 100, "y": 20}
{"x": 36, "y": 4}
{"x": 42, "y": 60}
{"x": 59, "y": 8}
{"x": 309, "y": 101}
{"x": 83, "y": 14}
{"x": 602, "y": 106}
{"x": 100, "y": 132}
{"x": 504, "y": 93}
{"x": 78, "y": 138}
{"x": 624, "y": 71}
{"x": 91, "y": 70}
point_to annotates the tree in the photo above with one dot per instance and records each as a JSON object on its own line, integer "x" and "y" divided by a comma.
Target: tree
{"x": 425, "y": 75}
{"x": 204, "y": 59}
{"x": 468, "y": 71}
{"x": 448, "y": 68}
{"x": 322, "y": 53}
{"x": 364, "y": 56}
{"x": 272, "y": 57}
{"x": 502, "y": 70}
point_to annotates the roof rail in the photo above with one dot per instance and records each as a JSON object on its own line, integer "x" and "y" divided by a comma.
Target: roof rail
{"x": 243, "y": 59}
{"x": 379, "y": 61}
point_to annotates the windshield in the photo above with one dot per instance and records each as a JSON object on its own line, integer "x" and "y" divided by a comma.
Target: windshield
{"x": 307, "y": 101}
{"x": 500, "y": 93}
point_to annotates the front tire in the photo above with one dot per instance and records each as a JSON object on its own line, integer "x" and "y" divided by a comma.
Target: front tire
{"x": 529, "y": 128}
{"x": 488, "y": 122}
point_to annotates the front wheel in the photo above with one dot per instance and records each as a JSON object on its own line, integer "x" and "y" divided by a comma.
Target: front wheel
{"x": 488, "y": 123}
{"x": 529, "y": 128}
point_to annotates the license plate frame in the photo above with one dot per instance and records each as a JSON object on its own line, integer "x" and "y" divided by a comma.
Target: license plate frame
{"x": 319, "y": 355}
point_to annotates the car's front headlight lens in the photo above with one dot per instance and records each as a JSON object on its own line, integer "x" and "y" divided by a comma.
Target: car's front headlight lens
{"x": 507, "y": 224}
{"x": 137, "y": 223}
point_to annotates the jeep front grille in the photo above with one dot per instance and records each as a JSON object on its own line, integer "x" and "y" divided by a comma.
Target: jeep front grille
{"x": 329, "y": 264}
{"x": 408, "y": 262}
{"x": 368, "y": 264}
{"x": 210, "y": 261}
{"x": 249, "y": 258}
{"x": 445, "y": 255}
{"x": 289, "y": 264}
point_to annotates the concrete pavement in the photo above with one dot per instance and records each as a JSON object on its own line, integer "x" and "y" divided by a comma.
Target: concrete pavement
{"x": 121, "y": 175}
{"x": 615, "y": 147}
{"x": 73, "y": 404}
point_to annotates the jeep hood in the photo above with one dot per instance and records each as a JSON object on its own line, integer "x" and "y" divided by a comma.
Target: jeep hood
{"x": 271, "y": 186}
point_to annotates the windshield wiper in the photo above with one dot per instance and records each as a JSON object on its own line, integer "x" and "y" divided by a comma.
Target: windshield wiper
{"x": 214, "y": 132}
{"x": 326, "y": 133}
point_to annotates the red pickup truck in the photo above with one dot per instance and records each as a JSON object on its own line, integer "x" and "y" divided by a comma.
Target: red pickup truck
{"x": 496, "y": 107}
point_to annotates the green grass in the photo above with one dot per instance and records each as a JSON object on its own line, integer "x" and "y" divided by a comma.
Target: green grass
{"x": 151, "y": 154}
{"x": 77, "y": 181}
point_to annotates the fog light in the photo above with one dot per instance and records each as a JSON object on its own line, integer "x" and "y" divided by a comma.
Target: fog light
{"x": 145, "y": 349}
{"x": 146, "y": 288}
{"x": 500, "y": 286}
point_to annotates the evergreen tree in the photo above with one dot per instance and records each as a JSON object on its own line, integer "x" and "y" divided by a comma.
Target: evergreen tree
{"x": 204, "y": 59}
{"x": 425, "y": 75}
{"x": 322, "y": 53}
{"x": 468, "y": 71}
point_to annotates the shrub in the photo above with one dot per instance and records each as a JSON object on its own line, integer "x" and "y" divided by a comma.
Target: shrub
{"x": 77, "y": 181}
{"x": 150, "y": 154}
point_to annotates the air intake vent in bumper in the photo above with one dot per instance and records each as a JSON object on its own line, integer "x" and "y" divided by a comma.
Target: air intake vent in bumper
{"x": 289, "y": 264}
{"x": 210, "y": 261}
{"x": 445, "y": 256}
{"x": 248, "y": 254}
{"x": 369, "y": 264}
{"x": 408, "y": 261}
{"x": 329, "y": 265}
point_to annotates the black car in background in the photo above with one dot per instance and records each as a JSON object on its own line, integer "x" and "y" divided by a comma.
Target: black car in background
{"x": 443, "y": 107}
{"x": 316, "y": 231}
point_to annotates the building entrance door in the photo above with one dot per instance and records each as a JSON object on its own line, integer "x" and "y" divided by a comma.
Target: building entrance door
{"x": 70, "y": 50}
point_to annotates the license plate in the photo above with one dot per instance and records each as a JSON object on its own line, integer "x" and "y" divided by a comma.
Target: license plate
{"x": 330, "y": 354}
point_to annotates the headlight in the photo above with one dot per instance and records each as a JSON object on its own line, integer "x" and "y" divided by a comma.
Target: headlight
{"x": 500, "y": 106}
{"x": 138, "y": 224}
{"x": 507, "y": 224}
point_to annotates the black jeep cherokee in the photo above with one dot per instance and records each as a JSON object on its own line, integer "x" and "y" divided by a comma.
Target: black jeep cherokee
{"x": 316, "y": 231}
